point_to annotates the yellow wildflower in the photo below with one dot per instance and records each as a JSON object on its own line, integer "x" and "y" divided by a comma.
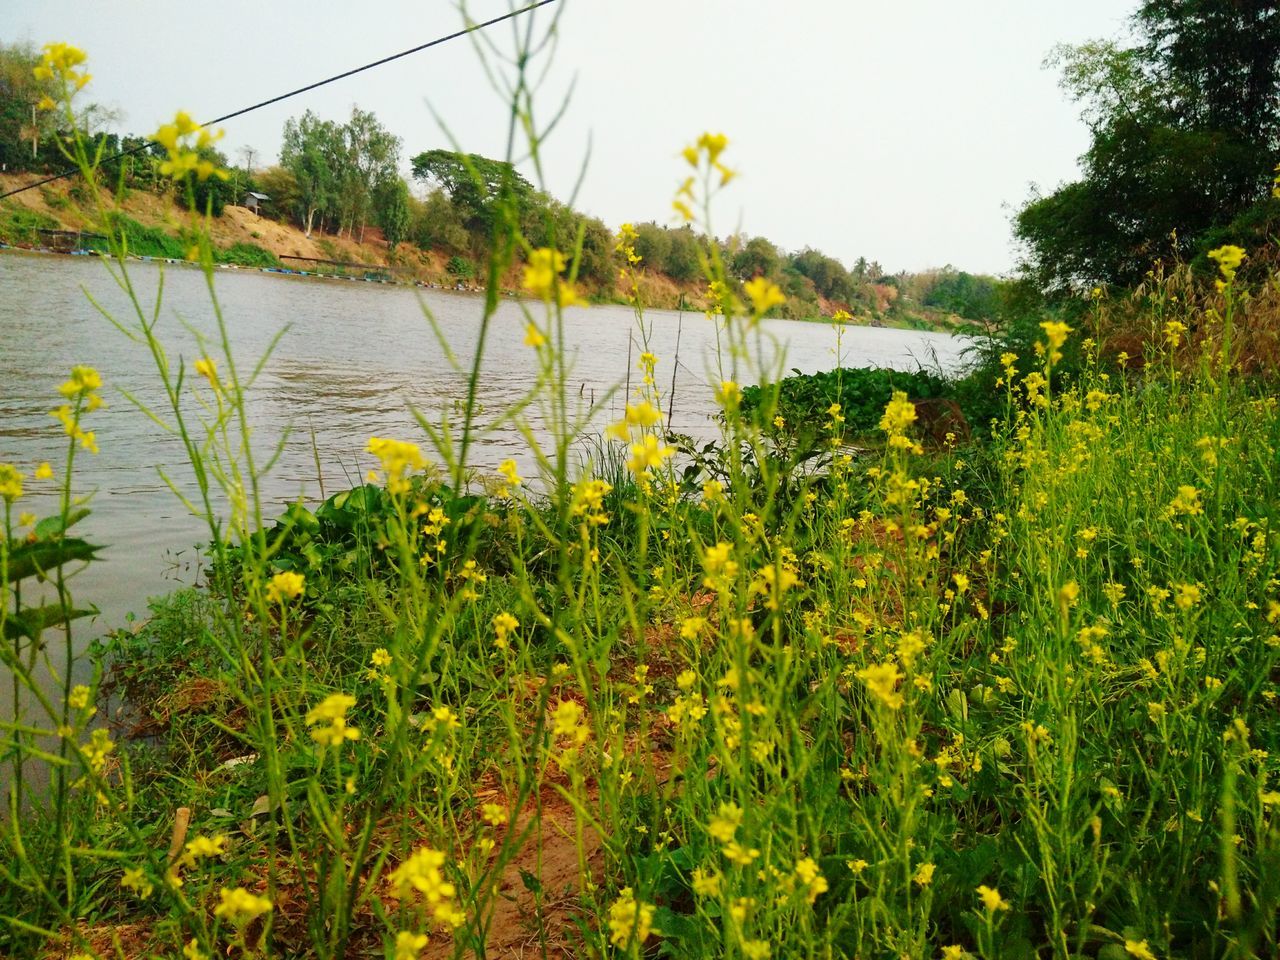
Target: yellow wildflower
{"x": 882, "y": 681}
{"x": 1228, "y": 258}
{"x": 240, "y": 906}
{"x": 328, "y": 720}
{"x": 409, "y": 945}
{"x": 399, "y": 458}
{"x": 207, "y": 367}
{"x": 504, "y": 624}
{"x": 136, "y": 880}
{"x": 810, "y": 876}
{"x": 724, "y": 824}
{"x": 630, "y": 920}
{"x": 183, "y": 139}
{"x": 10, "y": 482}
{"x": 286, "y": 585}
{"x": 1055, "y": 332}
{"x": 648, "y": 454}
{"x": 1139, "y": 949}
{"x": 991, "y": 899}
{"x": 763, "y": 295}
{"x": 494, "y": 814}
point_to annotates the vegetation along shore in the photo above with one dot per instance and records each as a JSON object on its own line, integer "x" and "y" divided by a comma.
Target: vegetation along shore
{"x": 900, "y": 665}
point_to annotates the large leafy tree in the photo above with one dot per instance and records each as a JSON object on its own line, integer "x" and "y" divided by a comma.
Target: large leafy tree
{"x": 473, "y": 184}
{"x": 310, "y": 151}
{"x": 1185, "y": 126}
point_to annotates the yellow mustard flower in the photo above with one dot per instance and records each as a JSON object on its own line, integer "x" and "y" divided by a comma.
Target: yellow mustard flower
{"x": 723, "y": 826}
{"x": 991, "y": 899}
{"x": 10, "y": 482}
{"x": 409, "y": 945}
{"x": 239, "y": 906}
{"x": 286, "y": 585}
{"x": 399, "y": 459}
{"x": 648, "y": 454}
{"x": 763, "y": 294}
{"x": 1228, "y": 257}
{"x": 328, "y": 720}
{"x": 882, "y": 681}
{"x": 504, "y": 625}
{"x": 630, "y": 920}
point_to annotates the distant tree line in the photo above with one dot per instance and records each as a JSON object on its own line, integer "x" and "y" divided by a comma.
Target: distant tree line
{"x": 341, "y": 177}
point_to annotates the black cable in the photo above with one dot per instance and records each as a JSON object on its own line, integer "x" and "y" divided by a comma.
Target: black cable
{"x": 293, "y": 93}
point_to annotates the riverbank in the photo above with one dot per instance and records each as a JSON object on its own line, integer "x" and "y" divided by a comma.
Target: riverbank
{"x": 240, "y": 234}
{"x": 623, "y": 696}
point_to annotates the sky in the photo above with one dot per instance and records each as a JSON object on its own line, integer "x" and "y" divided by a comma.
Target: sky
{"x": 907, "y": 132}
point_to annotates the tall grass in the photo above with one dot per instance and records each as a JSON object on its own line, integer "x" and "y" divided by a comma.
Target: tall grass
{"x": 1010, "y": 700}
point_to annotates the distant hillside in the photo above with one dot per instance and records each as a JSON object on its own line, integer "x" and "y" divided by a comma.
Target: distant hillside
{"x": 157, "y": 223}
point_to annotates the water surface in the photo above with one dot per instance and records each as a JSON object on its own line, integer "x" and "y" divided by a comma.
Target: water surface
{"x": 353, "y": 360}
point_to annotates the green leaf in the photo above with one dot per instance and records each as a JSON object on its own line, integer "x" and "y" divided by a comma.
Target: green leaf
{"x": 36, "y": 619}
{"x": 51, "y": 527}
{"x": 38, "y": 558}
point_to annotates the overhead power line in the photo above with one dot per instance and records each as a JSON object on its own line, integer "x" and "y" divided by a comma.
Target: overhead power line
{"x": 71, "y": 171}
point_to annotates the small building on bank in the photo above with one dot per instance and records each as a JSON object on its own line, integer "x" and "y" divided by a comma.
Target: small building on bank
{"x": 254, "y": 201}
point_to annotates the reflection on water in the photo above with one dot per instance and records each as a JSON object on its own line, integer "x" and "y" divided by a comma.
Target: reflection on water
{"x": 354, "y": 360}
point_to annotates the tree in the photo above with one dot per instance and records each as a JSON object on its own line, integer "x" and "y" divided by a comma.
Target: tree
{"x": 473, "y": 184}
{"x": 757, "y": 258}
{"x": 436, "y": 223}
{"x": 391, "y": 210}
{"x": 653, "y": 243}
{"x": 373, "y": 154}
{"x": 26, "y": 131}
{"x": 1184, "y": 130}
{"x": 310, "y": 151}
{"x": 682, "y": 261}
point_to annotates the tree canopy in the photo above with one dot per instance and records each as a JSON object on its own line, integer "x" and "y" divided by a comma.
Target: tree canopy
{"x": 1185, "y": 127}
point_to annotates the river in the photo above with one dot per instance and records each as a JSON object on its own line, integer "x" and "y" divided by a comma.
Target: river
{"x": 354, "y": 357}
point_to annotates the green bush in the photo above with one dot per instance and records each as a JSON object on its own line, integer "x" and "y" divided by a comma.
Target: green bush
{"x": 460, "y": 267}
{"x": 247, "y": 255}
{"x": 22, "y": 227}
{"x": 863, "y": 393}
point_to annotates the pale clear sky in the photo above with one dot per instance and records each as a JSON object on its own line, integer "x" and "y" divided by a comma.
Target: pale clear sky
{"x": 904, "y": 132}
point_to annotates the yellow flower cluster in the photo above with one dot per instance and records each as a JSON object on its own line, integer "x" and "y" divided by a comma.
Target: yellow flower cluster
{"x": 588, "y": 501}
{"x": 542, "y": 278}
{"x": 1228, "y": 258}
{"x": 58, "y": 62}
{"x": 899, "y": 415}
{"x": 422, "y": 872}
{"x": 1055, "y": 332}
{"x": 649, "y": 454}
{"x": 763, "y": 294}
{"x": 882, "y": 681}
{"x": 328, "y": 720}
{"x": 630, "y": 920}
{"x": 286, "y": 585}
{"x": 81, "y": 392}
{"x": 504, "y": 625}
{"x": 399, "y": 459}
{"x": 10, "y": 482}
{"x": 642, "y": 415}
{"x": 239, "y": 906}
{"x": 511, "y": 478}
{"x": 183, "y": 139}
{"x": 409, "y": 945}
